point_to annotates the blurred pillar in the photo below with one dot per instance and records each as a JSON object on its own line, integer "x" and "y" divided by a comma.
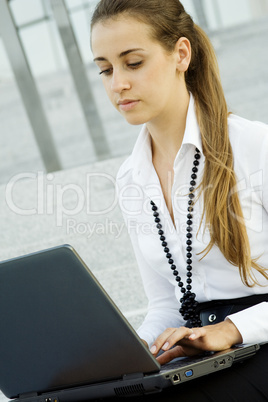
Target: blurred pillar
{"x": 201, "y": 13}
{"x": 27, "y": 88}
{"x": 80, "y": 78}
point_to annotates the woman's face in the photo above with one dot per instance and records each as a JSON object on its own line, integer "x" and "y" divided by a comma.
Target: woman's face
{"x": 141, "y": 78}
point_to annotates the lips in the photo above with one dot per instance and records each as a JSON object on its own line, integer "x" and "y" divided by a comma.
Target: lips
{"x": 127, "y": 104}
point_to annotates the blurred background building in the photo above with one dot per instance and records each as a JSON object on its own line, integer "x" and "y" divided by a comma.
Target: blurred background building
{"x": 61, "y": 142}
{"x": 54, "y": 113}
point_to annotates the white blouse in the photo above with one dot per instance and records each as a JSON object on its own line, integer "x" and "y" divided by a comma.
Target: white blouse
{"x": 213, "y": 276}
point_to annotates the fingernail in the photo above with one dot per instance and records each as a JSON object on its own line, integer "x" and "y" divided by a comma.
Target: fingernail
{"x": 153, "y": 349}
{"x": 193, "y": 336}
{"x": 166, "y": 346}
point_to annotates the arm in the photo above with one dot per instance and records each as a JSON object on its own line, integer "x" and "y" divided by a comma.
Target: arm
{"x": 163, "y": 306}
{"x": 177, "y": 342}
{"x": 252, "y": 323}
{"x": 247, "y": 326}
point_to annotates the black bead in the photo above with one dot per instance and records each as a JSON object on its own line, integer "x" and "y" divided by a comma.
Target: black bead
{"x": 188, "y": 302}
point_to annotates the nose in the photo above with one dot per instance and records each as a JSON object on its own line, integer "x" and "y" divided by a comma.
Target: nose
{"x": 119, "y": 82}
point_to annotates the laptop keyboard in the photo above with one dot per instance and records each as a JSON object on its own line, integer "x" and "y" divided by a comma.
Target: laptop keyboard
{"x": 182, "y": 361}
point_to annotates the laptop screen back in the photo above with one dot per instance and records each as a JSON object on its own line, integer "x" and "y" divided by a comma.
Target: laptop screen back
{"x": 59, "y": 328}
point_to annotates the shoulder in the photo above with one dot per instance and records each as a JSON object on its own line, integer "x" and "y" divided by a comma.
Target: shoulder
{"x": 244, "y": 133}
{"x": 249, "y": 141}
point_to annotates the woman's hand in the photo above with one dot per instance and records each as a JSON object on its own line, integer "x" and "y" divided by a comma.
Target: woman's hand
{"x": 178, "y": 342}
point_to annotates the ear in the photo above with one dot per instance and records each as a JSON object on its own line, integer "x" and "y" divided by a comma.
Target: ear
{"x": 183, "y": 53}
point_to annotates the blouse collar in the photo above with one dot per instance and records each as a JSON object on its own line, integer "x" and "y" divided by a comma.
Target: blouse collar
{"x": 140, "y": 161}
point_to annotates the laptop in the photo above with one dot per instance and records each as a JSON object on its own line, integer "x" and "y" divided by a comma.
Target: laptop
{"x": 63, "y": 339}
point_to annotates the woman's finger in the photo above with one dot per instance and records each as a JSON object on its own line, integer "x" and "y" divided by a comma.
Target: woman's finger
{"x": 169, "y": 338}
{"x": 171, "y": 354}
{"x": 197, "y": 333}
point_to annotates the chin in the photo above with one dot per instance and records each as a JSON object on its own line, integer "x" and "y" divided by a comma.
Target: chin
{"x": 136, "y": 120}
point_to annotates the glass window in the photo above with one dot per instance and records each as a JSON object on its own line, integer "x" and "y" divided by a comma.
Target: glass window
{"x": 234, "y": 12}
{"x": 80, "y": 24}
{"x": 25, "y": 11}
{"x": 43, "y": 48}
{"x": 73, "y": 3}
{"x": 189, "y": 7}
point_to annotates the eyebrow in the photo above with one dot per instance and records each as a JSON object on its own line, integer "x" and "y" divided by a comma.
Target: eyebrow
{"x": 123, "y": 54}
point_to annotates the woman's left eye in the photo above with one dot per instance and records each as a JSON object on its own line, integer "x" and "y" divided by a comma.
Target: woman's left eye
{"x": 135, "y": 65}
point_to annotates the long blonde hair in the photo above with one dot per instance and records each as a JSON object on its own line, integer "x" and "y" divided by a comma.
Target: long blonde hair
{"x": 222, "y": 209}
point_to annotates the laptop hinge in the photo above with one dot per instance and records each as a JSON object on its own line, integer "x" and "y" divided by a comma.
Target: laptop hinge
{"x": 28, "y": 395}
{"x": 133, "y": 376}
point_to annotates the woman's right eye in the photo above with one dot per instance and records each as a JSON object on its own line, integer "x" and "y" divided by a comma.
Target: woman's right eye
{"x": 106, "y": 72}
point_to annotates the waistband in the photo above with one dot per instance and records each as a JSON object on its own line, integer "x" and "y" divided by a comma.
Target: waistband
{"x": 215, "y": 311}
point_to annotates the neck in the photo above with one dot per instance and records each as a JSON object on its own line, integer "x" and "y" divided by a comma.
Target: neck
{"x": 167, "y": 134}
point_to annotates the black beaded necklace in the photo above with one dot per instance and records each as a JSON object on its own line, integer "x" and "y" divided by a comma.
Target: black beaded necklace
{"x": 188, "y": 302}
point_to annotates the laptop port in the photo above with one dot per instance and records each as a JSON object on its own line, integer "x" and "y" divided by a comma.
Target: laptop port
{"x": 188, "y": 373}
{"x": 222, "y": 362}
{"x": 176, "y": 378}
